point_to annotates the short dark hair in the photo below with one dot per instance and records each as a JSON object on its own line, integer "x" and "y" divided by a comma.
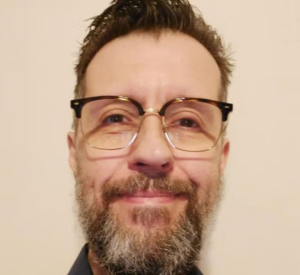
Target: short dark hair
{"x": 126, "y": 16}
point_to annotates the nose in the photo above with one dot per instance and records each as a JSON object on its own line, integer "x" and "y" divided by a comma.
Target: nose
{"x": 151, "y": 153}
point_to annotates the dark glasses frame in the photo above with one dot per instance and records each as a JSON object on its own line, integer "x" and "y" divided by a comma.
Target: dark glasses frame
{"x": 226, "y": 108}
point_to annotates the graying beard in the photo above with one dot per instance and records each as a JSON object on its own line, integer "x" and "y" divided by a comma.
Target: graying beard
{"x": 122, "y": 251}
{"x": 168, "y": 252}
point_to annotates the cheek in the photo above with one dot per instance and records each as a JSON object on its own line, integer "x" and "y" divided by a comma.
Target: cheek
{"x": 93, "y": 176}
{"x": 202, "y": 171}
{"x": 95, "y": 171}
{"x": 206, "y": 176}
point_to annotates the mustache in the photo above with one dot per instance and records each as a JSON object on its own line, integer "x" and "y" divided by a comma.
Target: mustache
{"x": 142, "y": 182}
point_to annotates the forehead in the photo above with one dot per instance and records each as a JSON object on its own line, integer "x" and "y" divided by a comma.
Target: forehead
{"x": 152, "y": 68}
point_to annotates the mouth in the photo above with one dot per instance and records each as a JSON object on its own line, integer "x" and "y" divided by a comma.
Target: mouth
{"x": 151, "y": 197}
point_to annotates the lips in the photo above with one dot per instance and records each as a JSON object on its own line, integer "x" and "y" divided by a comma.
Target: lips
{"x": 151, "y": 197}
{"x": 150, "y": 194}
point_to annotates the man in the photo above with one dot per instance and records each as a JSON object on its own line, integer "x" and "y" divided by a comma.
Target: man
{"x": 148, "y": 150}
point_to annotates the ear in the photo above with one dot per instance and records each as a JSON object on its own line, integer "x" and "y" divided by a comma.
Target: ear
{"x": 72, "y": 151}
{"x": 224, "y": 154}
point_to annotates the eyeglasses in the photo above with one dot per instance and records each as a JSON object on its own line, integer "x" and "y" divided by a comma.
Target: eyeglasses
{"x": 189, "y": 124}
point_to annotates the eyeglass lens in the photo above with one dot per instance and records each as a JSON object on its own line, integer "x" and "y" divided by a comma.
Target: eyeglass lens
{"x": 113, "y": 124}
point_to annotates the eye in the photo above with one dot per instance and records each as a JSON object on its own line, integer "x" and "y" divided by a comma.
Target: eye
{"x": 114, "y": 119}
{"x": 188, "y": 123}
{"x": 184, "y": 118}
{"x": 115, "y": 116}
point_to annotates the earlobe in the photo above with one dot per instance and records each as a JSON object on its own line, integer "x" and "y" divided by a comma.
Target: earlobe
{"x": 72, "y": 151}
{"x": 224, "y": 154}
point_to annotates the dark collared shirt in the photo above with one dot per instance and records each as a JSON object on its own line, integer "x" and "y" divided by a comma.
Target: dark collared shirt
{"x": 82, "y": 266}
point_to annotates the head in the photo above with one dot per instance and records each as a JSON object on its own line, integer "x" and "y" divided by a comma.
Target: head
{"x": 145, "y": 201}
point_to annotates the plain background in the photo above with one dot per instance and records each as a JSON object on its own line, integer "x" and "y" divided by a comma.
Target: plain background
{"x": 258, "y": 227}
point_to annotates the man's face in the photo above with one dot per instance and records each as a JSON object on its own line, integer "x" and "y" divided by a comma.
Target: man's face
{"x": 151, "y": 70}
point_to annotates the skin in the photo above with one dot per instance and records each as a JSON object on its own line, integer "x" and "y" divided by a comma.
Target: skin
{"x": 151, "y": 70}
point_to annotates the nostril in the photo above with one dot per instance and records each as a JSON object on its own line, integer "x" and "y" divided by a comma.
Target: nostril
{"x": 166, "y": 165}
{"x": 140, "y": 164}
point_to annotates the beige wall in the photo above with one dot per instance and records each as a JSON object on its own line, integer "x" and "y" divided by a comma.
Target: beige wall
{"x": 258, "y": 227}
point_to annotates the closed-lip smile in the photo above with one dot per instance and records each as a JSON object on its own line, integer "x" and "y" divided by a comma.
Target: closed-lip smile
{"x": 151, "y": 197}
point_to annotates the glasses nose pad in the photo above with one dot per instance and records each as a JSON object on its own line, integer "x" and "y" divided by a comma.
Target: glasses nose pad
{"x": 163, "y": 122}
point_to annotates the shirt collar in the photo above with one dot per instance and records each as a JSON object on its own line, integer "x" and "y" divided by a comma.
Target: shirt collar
{"x": 81, "y": 265}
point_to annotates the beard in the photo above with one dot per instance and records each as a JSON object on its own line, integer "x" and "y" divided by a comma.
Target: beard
{"x": 152, "y": 250}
